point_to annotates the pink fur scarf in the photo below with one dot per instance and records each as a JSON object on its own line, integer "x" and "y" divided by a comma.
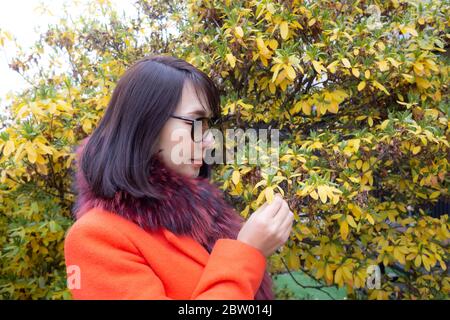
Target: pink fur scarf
{"x": 191, "y": 206}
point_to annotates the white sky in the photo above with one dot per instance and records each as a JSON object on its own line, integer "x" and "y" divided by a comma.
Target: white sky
{"x": 20, "y": 18}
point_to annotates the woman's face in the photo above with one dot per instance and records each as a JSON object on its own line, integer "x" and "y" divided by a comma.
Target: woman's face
{"x": 179, "y": 152}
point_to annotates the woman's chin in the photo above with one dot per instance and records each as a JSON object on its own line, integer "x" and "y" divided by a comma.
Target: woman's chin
{"x": 190, "y": 170}
{"x": 196, "y": 171}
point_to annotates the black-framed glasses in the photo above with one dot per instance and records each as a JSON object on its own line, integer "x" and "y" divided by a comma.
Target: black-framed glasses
{"x": 204, "y": 123}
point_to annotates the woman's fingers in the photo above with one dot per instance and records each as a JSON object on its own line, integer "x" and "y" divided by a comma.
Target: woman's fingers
{"x": 282, "y": 214}
{"x": 286, "y": 226}
{"x": 271, "y": 209}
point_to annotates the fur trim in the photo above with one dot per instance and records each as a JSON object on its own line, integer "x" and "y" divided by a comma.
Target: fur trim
{"x": 191, "y": 206}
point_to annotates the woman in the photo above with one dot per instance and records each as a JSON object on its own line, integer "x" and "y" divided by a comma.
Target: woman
{"x": 150, "y": 224}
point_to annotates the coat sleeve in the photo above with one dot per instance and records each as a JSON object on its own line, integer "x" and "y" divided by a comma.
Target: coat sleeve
{"x": 111, "y": 267}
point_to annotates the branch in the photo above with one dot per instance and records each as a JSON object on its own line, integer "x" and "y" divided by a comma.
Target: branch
{"x": 26, "y": 185}
{"x": 320, "y": 288}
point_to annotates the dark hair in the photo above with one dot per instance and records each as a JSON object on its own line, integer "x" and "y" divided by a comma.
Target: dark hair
{"x": 118, "y": 152}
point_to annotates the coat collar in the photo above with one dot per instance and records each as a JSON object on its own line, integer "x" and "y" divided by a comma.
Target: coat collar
{"x": 192, "y": 213}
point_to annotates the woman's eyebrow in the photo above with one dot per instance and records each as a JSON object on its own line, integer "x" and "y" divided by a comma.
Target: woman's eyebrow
{"x": 201, "y": 113}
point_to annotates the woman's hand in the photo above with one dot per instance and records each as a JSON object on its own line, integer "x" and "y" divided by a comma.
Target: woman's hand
{"x": 269, "y": 227}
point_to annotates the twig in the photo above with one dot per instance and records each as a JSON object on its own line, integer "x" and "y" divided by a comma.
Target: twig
{"x": 320, "y": 288}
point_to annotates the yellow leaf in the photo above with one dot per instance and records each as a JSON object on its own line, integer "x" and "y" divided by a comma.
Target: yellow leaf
{"x": 40, "y": 159}
{"x": 380, "y": 86}
{"x": 333, "y": 107}
{"x": 435, "y": 194}
{"x": 328, "y": 273}
{"x": 245, "y": 212}
{"x": 306, "y": 107}
{"x": 260, "y": 198}
{"x": 367, "y": 74}
{"x": 381, "y": 46}
{"x": 399, "y": 255}
{"x": 275, "y": 69}
{"x": 426, "y": 262}
{"x": 421, "y": 195}
{"x": 45, "y": 149}
{"x": 338, "y": 95}
{"x": 422, "y": 83}
{"x": 332, "y": 66}
{"x": 236, "y": 177}
{"x": 284, "y": 30}
{"x": 336, "y": 216}
{"x": 322, "y": 191}
{"x": 273, "y": 44}
{"x": 262, "y": 47}
{"x": 318, "y": 66}
{"x": 419, "y": 68}
{"x": 304, "y": 230}
{"x": 355, "y": 72}
{"x": 87, "y": 125}
{"x": 293, "y": 260}
{"x": 351, "y": 221}
{"x": 394, "y": 62}
{"x": 231, "y": 59}
{"x": 272, "y": 88}
{"x": 311, "y": 22}
{"x": 20, "y": 153}
{"x": 344, "y": 230}
{"x": 416, "y": 150}
{"x": 239, "y": 32}
{"x": 346, "y": 63}
{"x": 9, "y": 148}
{"x": 354, "y": 179}
{"x": 268, "y": 192}
{"x": 32, "y": 155}
{"x": 338, "y": 277}
{"x": 409, "y": 29}
{"x": 35, "y": 109}
{"x": 261, "y": 183}
{"x": 359, "y": 164}
{"x": 361, "y": 85}
{"x": 347, "y": 273}
{"x": 417, "y": 261}
{"x": 408, "y": 77}
{"x": 320, "y": 273}
{"x": 290, "y": 72}
{"x": 383, "y": 65}
{"x": 314, "y": 195}
{"x": 296, "y": 108}
{"x": 365, "y": 166}
{"x": 384, "y": 124}
{"x": 370, "y": 219}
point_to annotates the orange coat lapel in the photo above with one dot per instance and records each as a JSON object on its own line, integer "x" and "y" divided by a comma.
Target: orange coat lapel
{"x": 188, "y": 246}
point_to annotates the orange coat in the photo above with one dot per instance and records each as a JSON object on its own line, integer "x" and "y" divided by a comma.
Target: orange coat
{"x": 117, "y": 259}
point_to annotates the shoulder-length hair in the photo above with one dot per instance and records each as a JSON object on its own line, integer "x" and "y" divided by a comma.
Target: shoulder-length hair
{"x": 117, "y": 154}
